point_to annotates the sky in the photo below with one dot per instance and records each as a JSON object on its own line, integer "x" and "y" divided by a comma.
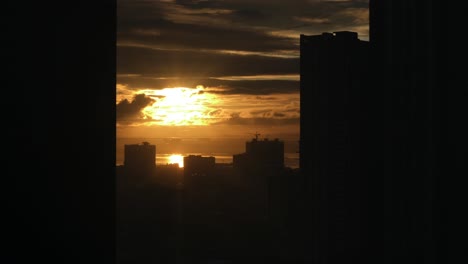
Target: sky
{"x": 218, "y": 68}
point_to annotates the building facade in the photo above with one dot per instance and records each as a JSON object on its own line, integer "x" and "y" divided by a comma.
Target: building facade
{"x": 197, "y": 165}
{"x": 140, "y": 158}
{"x": 334, "y": 80}
{"x": 266, "y": 155}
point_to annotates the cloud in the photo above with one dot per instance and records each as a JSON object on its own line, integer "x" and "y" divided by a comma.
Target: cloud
{"x": 259, "y": 121}
{"x": 207, "y": 37}
{"x": 248, "y": 14}
{"x": 132, "y": 110}
{"x": 313, "y": 20}
{"x": 355, "y": 16}
{"x": 262, "y": 113}
{"x": 287, "y": 77}
{"x": 234, "y": 48}
{"x": 221, "y": 87}
{"x": 260, "y": 87}
{"x": 237, "y": 25}
{"x": 243, "y": 111}
{"x": 186, "y": 64}
{"x": 265, "y": 98}
{"x": 186, "y": 24}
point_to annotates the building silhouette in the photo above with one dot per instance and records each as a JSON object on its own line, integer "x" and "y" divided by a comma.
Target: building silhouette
{"x": 197, "y": 165}
{"x": 333, "y": 73}
{"x": 140, "y": 158}
{"x": 408, "y": 68}
{"x": 371, "y": 128}
{"x": 263, "y": 155}
{"x": 145, "y": 211}
{"x": 334, "y": 77}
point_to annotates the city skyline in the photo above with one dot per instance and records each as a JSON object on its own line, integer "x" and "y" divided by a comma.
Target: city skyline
{"x": 383, "y": 196}
{"x": 172, "y": 151}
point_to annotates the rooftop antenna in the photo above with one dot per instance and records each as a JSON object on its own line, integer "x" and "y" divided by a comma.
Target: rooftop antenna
{"x": 256, "y": 135}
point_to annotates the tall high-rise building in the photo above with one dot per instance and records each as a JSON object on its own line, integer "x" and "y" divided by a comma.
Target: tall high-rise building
{"x": 333, "y": 76}
{"x": 391, "y": 140}
{"x": 407, "y": 74}
{"x": 334, "y": 81}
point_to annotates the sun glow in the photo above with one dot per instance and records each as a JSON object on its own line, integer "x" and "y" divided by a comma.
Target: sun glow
{"x": 176, "y": 159}
{"x": 181, "y": 106}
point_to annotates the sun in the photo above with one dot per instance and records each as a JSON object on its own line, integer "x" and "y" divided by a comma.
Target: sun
{"x": 176, "y": 159}
{"x": 181, "y": 106}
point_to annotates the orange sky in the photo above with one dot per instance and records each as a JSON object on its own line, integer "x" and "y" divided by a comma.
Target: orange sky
{"x": 203, "y": 112}
{"x": 218, "y": 69}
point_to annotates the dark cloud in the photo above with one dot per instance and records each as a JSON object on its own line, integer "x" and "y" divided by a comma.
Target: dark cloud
{"x": 215, "y": 113}
{"x": 130, "y": 110}
{"x": 263, "y": 112}
{"x": 277, "y": 114}
{"x": 199, "y": 4}
{"x": 249, "y": 14}
{"x": 178, "y": 26}
{"x": 293, "y": 110}
{"x": 259, "y": 121}
{"x": 188, "y": 36}
{"x": 265, "y": 98}
{"x": 280, "y": 14}
{"x": 199, "y": 64}
{"x": 184, "y": 40}
{"x": 230, "y": 24}
{"x": 258, "y": 87}
{"x": 267, "y": 113}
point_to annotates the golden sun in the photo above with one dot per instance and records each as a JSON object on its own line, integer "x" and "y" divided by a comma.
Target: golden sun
{"x": 180, "y": 106}
{"x": 176, "y": 159}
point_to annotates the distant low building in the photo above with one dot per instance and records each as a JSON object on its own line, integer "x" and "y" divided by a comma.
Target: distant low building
{"x": 140, "y": 158}
{"x": 198, "y": 165}
{"x": 261, "y": 154}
